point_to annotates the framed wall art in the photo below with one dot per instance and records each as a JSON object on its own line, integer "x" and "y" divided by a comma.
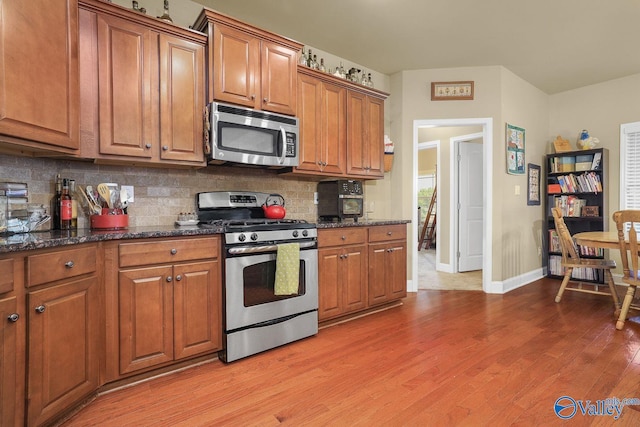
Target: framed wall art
{"x": 515, "y": 150}
{"x": 533, "y": 185}
{"x": 445, "y": 91}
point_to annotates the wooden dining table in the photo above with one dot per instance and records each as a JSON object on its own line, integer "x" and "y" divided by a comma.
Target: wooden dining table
{"x": 598, "y": 239}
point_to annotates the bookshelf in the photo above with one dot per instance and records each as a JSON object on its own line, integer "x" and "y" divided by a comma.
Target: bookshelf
{"x": 576, "y": 181}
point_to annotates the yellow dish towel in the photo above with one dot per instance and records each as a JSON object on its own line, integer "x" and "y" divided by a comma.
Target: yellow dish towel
{"x": 287, "y": 269}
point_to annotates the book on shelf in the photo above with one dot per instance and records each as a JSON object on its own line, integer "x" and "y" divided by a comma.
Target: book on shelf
{"x": 554, "y": 241}
{"x": 595, "y": 163}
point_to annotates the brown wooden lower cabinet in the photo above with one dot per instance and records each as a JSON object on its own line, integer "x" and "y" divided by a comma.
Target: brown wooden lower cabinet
{"x": 360, "y": 267}
{"x": 163, "y": 302}
{"x": 63, "y": 347}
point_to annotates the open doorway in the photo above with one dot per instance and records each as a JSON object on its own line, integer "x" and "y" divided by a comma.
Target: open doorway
{"x": 448, "y": 224}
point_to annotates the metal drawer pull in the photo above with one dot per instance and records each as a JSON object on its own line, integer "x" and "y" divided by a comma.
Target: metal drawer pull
{"x": 344, "y": 237}
{"x": 389, "y": 233}
{"x": 13, "y": 317}
{"x": 69, "y": 264}
{"x": 174, "y": 251}
{"x": 40, "y": 309}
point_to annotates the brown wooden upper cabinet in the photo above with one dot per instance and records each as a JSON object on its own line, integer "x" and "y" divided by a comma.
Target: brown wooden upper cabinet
{"x": 143, "y": 87}
{"x": 341, "y": 127}
{"x": 39, "y": 75}
{"x": 365, "y": 135}
{"x": 249, "y": 66}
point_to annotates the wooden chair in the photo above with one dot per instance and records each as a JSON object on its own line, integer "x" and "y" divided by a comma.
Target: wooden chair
{"x": 571, "y": 259}
{"x": 629, "y": 255}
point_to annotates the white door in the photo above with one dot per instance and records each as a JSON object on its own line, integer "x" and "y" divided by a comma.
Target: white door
{"x": 470, "y": 202}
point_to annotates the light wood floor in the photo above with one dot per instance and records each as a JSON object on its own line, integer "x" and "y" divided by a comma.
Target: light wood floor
{"x": 442, "y": 358}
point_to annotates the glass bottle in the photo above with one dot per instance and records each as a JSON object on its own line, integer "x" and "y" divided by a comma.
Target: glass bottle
{"x": 343, "y": 74}
{"x": 66, "y": 208}
{"x": 309, "y": 58}
{"x": 322, "y": 67}
{"x": 363, "y": 80}
{"x": 55, "y": 205}
{"x": 369, "y": 81}
{"x": 314, "y": 62}
{"x": 303, "y": 58}
{"x": 74, "y": 204}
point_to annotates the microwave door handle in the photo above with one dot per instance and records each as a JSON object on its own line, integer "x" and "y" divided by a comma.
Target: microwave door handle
{"x": 283, "y": 138}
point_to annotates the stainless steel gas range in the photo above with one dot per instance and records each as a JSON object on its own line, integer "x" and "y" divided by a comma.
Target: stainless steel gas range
{"x": 258, "y": 317}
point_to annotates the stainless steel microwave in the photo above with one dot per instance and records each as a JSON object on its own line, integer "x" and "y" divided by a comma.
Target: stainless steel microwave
{"x": 250, "y": 137}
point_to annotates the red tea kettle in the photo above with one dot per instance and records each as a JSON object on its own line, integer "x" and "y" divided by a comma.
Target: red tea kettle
{"x": 273, "y": 207}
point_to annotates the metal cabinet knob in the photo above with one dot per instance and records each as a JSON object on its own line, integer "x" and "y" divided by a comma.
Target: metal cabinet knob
{"x": 179, "y": 277}
{"x": 69, "y": 264}
{"x": 13, "y": 317}
{"x": 40, "y": 309}
{"x": 344, "y": 237}
{"x": 253, "y": 97}
{"x": 165, "y": 147}
{"x": 389, "y": 233}
{"x": 174, "y": 251}
{"x": 169, "y": 279}
{"x": 147, "y": 145}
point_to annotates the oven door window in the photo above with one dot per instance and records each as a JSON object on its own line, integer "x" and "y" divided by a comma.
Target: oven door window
{"x": 352, "y": 206}
{"x": 259, "y": 282}
{"x": 248, "y": 140}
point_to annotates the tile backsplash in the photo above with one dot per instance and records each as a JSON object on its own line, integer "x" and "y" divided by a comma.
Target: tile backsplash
{"x": 160, "y": 193}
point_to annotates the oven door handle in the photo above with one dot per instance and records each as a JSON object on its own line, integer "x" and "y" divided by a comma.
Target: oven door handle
{"x": 241, "y": 250}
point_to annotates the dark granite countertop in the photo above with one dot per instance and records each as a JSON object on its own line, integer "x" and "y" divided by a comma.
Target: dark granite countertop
{"x": 361, "y": 223}
{"x": 56, "y": 238}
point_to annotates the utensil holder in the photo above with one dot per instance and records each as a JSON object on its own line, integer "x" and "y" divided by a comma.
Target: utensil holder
{"x": 110, "y": 221}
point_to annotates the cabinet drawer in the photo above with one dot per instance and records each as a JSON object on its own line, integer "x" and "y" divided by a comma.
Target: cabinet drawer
{"x": 167, "y": 251}
{"x": 388, "y": 232}
{"x": 6, "y": 275}
{"x": 52, "y": 266}
{"x": 342, "y": 236}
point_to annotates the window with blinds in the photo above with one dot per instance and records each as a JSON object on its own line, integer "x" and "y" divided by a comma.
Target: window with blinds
{"x": 630, "y": 166}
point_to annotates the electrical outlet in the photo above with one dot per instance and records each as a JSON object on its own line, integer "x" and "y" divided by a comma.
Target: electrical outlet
{"x": 315, "y": 198}
{"x": 129, "y": 190}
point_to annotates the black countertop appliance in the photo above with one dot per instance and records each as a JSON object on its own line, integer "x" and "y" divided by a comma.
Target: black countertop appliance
{"x": 340, "y": 199}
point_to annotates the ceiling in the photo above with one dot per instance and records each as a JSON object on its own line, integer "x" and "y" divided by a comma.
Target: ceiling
{"x": 556, "y": 45}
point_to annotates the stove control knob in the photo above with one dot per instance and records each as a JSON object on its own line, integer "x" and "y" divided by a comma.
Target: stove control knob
{"x": 254, "y": 236}
{"x": 242, "y": 237}
{"x": 305, "y": 233}
{"x": 295, "y": 233}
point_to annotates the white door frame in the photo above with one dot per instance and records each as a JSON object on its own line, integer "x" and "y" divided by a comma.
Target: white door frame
{"x": 424, "y": 146}
{"x": 487, "y": 182}
{"x": 454, "y": 179}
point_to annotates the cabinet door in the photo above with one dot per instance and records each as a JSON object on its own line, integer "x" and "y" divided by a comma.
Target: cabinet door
{"x": 365, "y": 140}
{"x": 236, "y": 62}
{"x": 146, "y": 317}
{"x": 378, "y": 292}
{"x": 127, "y": 80}
{"x": 10, "y": 388}
{"x": 356, "y": 123}
{"x": 397, "y": 270}
{"x": 279, "y": 77}
{"x": 354, "y": 274}
{"x": 334, "y": 129}
{"x": 329, "y": 283}
{"x": 39, "y": 100}
{"x": 375, "y": 137}
{"x": 309, "y": 115}
{"x": 197, "y": 298}
{"x": 63, "y": 347}
{"x": 181, "y": 99}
